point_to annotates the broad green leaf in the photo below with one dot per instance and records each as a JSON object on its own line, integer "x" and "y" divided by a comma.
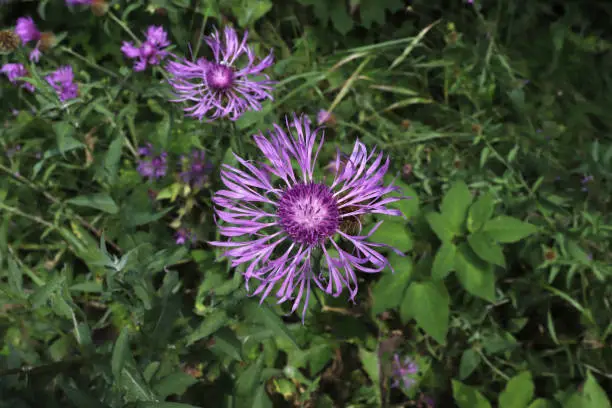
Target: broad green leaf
{"x": 373, "y": 11}
{"x": 394, "y": 234}
{"x": 468, "y": 397}
{"x": 262, "y": 400}
{"x": 273, "y": 322}
{"x": 444, "y": 261}
{"x": 101, "y": 201}
{"x": 593, "y": 395}
{"x": 470, "y": 360}
{"x": 371, "y": 365}
{"x": 429, "y": 304}
{"x": 409, "y": 206}
{"x": 111, "y": 160}
{"x": 213, "y": 322}
{"x": 476, "y": 276}
{"x": 389, "y": 291}
{"x": 82, "y": 399}
{"x": 251, "y": 11}
{"x": 486, "y": 248}
{"x": 174, "y": 384}
{"x": 455, "y": 205}
{"x": 518, "y": 392}
{"x": 480, "y": 212}
{"x": 506, "y": 229}
{"x": 227, "y": 342}
{"x": 121, "y": 352}
{"x": 542, "y": 403}
{"x": 441, "y": 226}
{"x": 340, "y": 17}
{"x": 249, "y": 379}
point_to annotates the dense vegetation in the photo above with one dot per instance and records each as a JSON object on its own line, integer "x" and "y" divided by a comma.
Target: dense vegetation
{"x": 495, "y": 115}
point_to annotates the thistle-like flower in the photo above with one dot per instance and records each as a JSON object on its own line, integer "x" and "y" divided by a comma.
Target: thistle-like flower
{"x": 224, "y": 87}
{"x": 62, "y": 80}
{"x": 27, "y": 31}
{"x": 404, "y": 372}
{"x": 15, "y": 71}
{"x": 151, "y": 165}
{"x": 278, "y": 217}
{"x": 151, "y": 52}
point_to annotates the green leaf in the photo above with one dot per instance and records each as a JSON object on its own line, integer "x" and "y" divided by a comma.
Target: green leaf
{"x": 163, "y": 405}
{"x": 476, "y": 276}
{"x": 470, "y": 360}
{"x": 480, "y": 212}
{"x": 518, "y": 392}
{"x": 121, "y": 351}
{"x": 455, "y": 205}
{"x": 373, "y": 11}
{"x": 340, "y": 17}
{"x": 370, "y": 363}
{"x": 506, "y": 229}
{"x": 444, "y": 261}
{"x": 261, "y": 399}
{"x": 542, "y": 403}
{"x": 593, "y": 395}
{"x": 249, "y": 379}
{"x": 409, "y": 206}
{"x": 174, "y": 384}
{"x": 394, "y": 234}
{"x": 441, "y": 226}
{"x": 111, "y": 160}
{"x": 213, "y": 322}
{"x": 101, "y": 201}
{"x": 429, "y": 304}
{"x": 389, "y": 290}
{"x": 251, "y": 11}
{"x": 271, "y": 320}
{"x": 468, "y": 397}
{"x": 486, "y": 248}
{"x": 227, "y": 342}
{"x": 44, "y": 293}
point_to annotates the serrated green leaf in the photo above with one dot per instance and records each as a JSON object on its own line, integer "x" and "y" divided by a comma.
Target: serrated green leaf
{"x": 429, "y": 304}
{"x": 389, "y": 291}
{"x": 486, "y": 248}
{"x": 101, "y": 201}
{"x": 468, "y": 397}
{"x": 480, "y": 212}
{"x": 111, "y": 160}
{"x": 470, "y": 360}
{"x": 476, "y": 276}
{"x": 506, "y": 229}
{"x": 444, "y": 261}
{"x": 518, "y": 392}
{"x": 213, "y": 322}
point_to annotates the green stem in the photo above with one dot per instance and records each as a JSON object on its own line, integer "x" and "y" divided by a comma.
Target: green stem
{"x": 123, "y": 26}
{"x": 88, "y": 62}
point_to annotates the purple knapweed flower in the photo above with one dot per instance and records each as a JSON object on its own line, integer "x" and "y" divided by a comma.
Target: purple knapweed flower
{"x": 151, "y": 165}
{"x": 26, "y": 29}
{"x": 15, "y": 71}
{"x": 151, "y": 51}
{"x": 222, "y": 86}
{"x": 62, "y": 80}
{"x": 183, "y": 236}
{"x": 282, "y": 216}
{"x": 196, "y": 168}
{"x": 403, "y": 373}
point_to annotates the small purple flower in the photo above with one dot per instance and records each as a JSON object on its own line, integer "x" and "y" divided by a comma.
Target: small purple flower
{"x": 324, "y": 117}
{"x": 11, "y": 151}
{"x": 74, "y": 2}
{"x": 404, "y": 372}
{"x": 15, "y": 71}
{"x": 196, "y": 169}
{"x": 26, "y": 30}
{"x": 222, "y": 86}
{"x": 62, "y": 80}
{"x": 282, "y": 215}
{"x": 152, "y": 166}
{"x": 183, "y": 236}
{"x": 151, "y": 51}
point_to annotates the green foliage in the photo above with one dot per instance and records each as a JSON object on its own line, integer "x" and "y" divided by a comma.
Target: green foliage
{"x": 495, "y": 119}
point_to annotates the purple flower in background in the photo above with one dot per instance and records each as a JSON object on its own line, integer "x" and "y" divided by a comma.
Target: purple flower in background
{"x": 196, "y": 169}
{"x": 15, "y": 71}
{"x": 184, "y": 235}
{"x": 324, "y": 117}
{"x": 403, "y": 372}
{"x": 222, "y": 86}
{"x": 62, "y": 80}
{"x": 27, "y": 30}
{"x": 282, "y": 215}
{"x": 10, "y": 152}
{"x": 74, "y": 2}
{"x": 151, "y": 51}
{"x": 151, "y": 165}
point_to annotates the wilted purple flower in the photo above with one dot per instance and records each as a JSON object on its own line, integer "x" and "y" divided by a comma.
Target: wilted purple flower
{"x": 62, "y": 80}
{"x": 282, "y": 216}
{"x": 183, "y": 235}
{"x": 152, "y": 166}
{"x": 403, "y": 372}
{"x": 221, "y": 86}
{"x": 26, "y": 30}
{"x": 196, "y": 169}
{"x": 15, "y": 71}
{"x": 151, "y": 51}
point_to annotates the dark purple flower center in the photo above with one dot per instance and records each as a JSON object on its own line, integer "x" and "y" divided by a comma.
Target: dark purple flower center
{"x": 219, "y": 76}
{"x": 309, "y": 213}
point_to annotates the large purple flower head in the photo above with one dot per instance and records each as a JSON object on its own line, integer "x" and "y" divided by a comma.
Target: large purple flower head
{"x": 404, "y": 372}
{"x": 62, "y": 80}
{"x": 277, "y": 216}
{"x": 225, "y": 86}
{"x": 151, "y": 51}
{"x": 151, "y": 165}
{"x": 15, "y": 71}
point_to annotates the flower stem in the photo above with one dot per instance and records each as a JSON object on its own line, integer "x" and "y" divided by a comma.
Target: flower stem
{"x": 123, "y": 26}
